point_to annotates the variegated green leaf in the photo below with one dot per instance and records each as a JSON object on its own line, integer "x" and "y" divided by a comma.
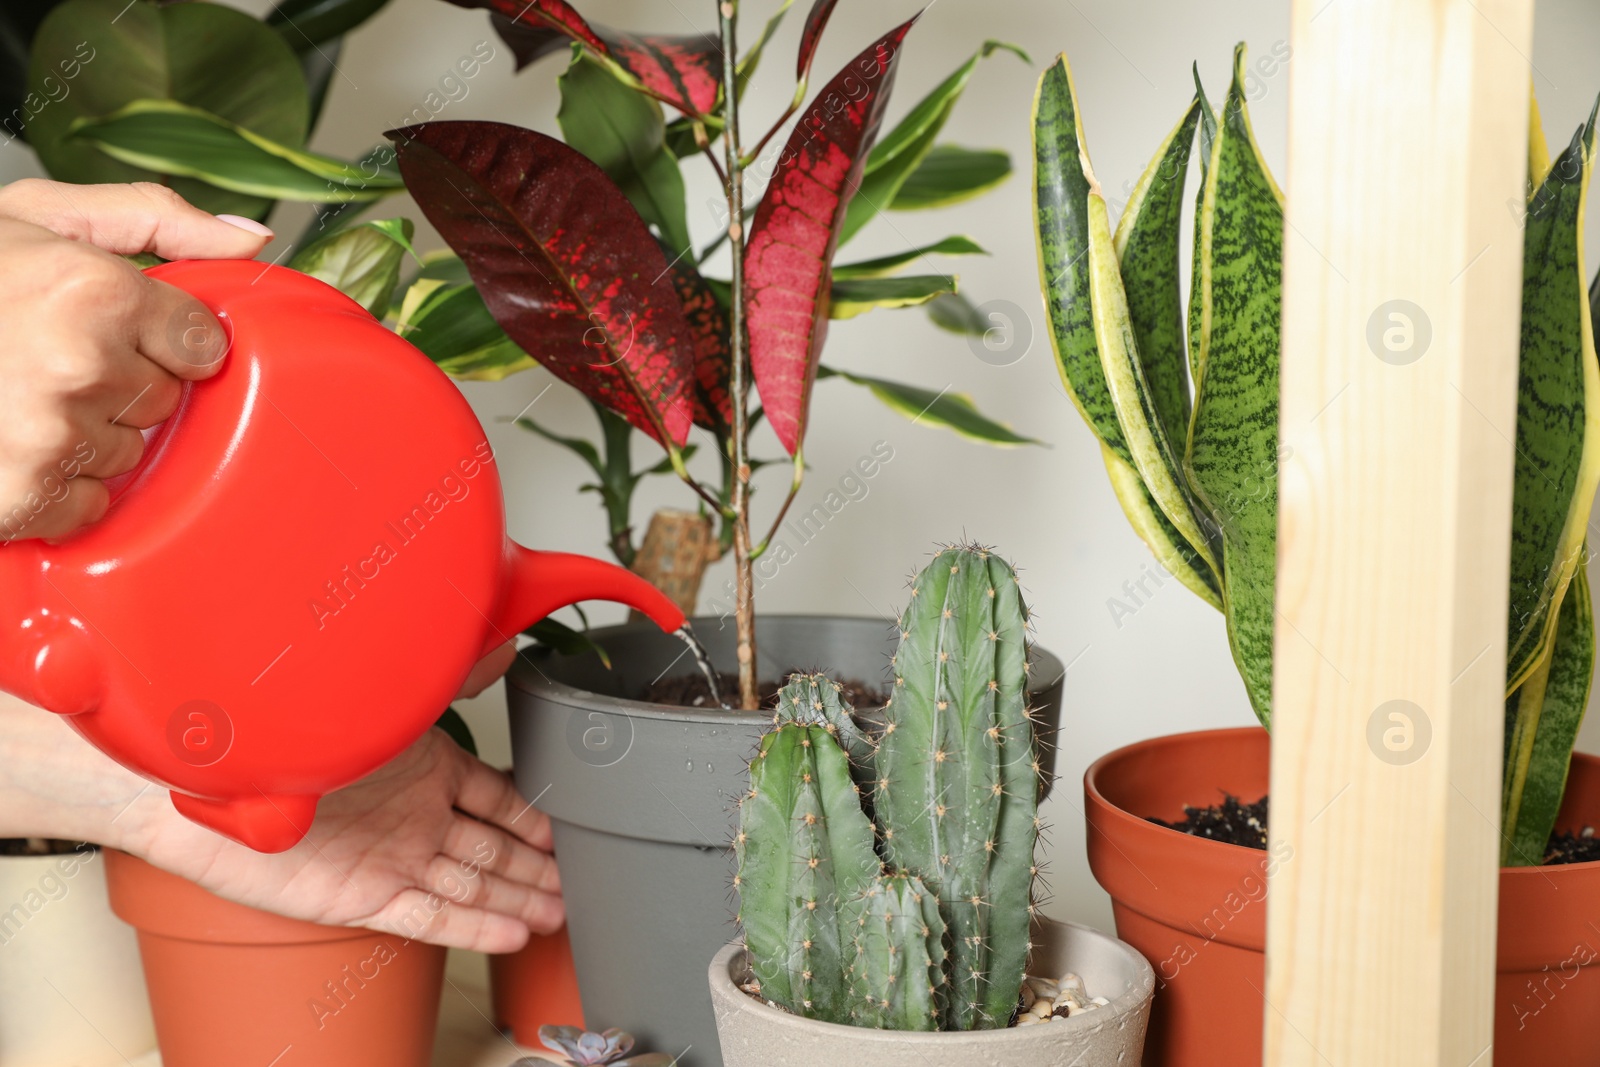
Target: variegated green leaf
{"x": 362, "y": 261}
{"x": 1558, "y": 409}
{"x": 453, "y": 327}
{"x": 1233, "y": 435}
{"x": 1542, "y": 720}
{"x": 947, "y": 408}
{"x": 886, "y": 265}
{"x": 1096, "y": 352}
{"x": 950, "y": 174}
{"x": 858, "y": 296}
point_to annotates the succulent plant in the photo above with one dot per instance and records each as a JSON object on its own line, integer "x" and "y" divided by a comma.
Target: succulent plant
{"x": 848, "y": 919}
{"x": 587, "y": 1049}
{"x": 1186, "y": 413}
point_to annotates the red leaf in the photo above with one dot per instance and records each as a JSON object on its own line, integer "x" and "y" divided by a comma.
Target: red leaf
{"x": 811, "y": 36}
{"x": 563, "y": 261}
{"x": 713, "y": 355}
{"x": 796, "y": 231}
{"x": 685, "y": 72}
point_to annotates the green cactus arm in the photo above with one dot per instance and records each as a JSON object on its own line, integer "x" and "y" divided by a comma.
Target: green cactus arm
{"x": 1232, "y": 452}
{"x": 803, "y": 845}
{"x": 1543, "y": 717}
{"x": 1558, "y": 409}
{"x": 817, "y": 699}
{"x": 1093, "y": 341}
{"x": 897, "y": 975}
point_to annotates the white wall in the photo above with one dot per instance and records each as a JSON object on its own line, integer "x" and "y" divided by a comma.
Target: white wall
{"x": 1163, "y": 669}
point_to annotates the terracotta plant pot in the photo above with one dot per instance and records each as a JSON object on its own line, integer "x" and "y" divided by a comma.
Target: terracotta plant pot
{"x": 754, "y": 1034}
{"x": 535, "y": 987}
{"x": 71, "y": 991}
{"x": 1197, "y": 909}
{"x": 233, "y": 985}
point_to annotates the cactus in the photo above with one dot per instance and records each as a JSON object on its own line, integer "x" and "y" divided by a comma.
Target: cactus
{"x": 955, "y": 803}
{"x": 585, "y": 1049}
{"x": 897, "y": 973}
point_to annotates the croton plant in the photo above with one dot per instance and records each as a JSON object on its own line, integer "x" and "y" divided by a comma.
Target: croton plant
{"x": 1186, "y": 410}
{"x": 575, "y": 253}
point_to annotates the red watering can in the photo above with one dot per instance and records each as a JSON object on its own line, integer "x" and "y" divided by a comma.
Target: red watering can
{"x": 297, "y": 578}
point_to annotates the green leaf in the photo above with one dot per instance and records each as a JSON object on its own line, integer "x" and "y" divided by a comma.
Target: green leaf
{"x": 453, "y": 724}
{"x": 899, "y": 152}
{"x": 884, "y": 265}
{"x": 857, "y": 297}
{"x": 1558, "y": 409}
{"x": 304, "y": 24}
{"x": 207, "y": 56}
{"x": 362, "y": 262}
{"x": 955, "y": 313}
{"x": 950, "y": 174}
{"x": 1233, "y": 435}
{"x": 1092, "y": 340}
{"x": 622, "y": 130}
{"x": 1543, "y": 717}
{"x": 1208, "y": 138}
{"x": 172, "y": 138}
{"x": 452, "y": 327}
{"x": 954, "y": 411}
{"x": 564, "y": 639}
{"x": 584, "y": 450}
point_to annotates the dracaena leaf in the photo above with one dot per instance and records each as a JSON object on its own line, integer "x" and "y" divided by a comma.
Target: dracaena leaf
{"x": 954, "y": 411}
{"x": 304, "y": 24}
{"x": 684, "y": 72}
{"x": 1232, "y": 457}
{"x": 885, "y": 265}
{"x": 950, "y": 174}
{"x": 449, "y": 324}
{"x": 1543, "y": 716}
{"x": 860, "y": 295}
{"x": 811, "y": 36}
{"x": 563, "y": 261}
{"x": 1089, "y": 333}
{"x": 362, "y": 262}
{"x": 1558, "y": 408}
{"x": 796, "y": 230}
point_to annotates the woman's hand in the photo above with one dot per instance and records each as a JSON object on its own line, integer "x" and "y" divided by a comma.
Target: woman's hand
{"x": 92, "y": 350}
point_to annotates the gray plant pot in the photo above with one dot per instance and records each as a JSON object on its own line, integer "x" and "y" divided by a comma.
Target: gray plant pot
{"x": 642, "y": 797}
{"x": 755, "y": 1034}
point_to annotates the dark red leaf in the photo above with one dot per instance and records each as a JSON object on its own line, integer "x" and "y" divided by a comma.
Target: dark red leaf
{"x": 563, "y": 261}
{"x": 796, "y": 231}
{"x": 811, "y": 36}
{"x": 713, "y": 355}
{"x": 528, "y": 43}
{"x": 684, "y": 72}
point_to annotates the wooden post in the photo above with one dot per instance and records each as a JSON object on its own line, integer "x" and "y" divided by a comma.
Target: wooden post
{"x": 1407, "y": 162}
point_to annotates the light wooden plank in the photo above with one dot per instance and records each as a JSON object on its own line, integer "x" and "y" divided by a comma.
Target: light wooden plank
{"x": 1407, "y": 156}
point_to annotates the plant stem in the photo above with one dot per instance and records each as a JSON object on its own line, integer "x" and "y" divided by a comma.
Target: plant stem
{"x": 744, "y": 576}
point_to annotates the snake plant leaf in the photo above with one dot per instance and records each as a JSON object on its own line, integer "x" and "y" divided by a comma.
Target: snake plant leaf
{"x": 684, "y": 72}
{"x": 1147, "y": 247}
{"x": 208, "y": 56}
{"x": 1538, "y": 147}
{"x": 624, "y": 133}
{"x": 1208, "y": 138}
{"x": 1542, "y": 718}
{"x": 1558, "y": 409}
{"x": 1232, "y": 454}
{"x": 954, "y": 411}
{"x": 903, "y": 148}
{"x": 362, "y": 262}
{"x": 167, "y": 137}
{"x": 861, "y": 295}
{"x": 797, "y": 228}
{"x": 886, "y": 265}
{"x": 451, "y": 325}
{"x": 949, "y": 174}
{"x": 1092, "y": 336}
{"x": 563, "y": 261}
{"x": 304, "y": 24}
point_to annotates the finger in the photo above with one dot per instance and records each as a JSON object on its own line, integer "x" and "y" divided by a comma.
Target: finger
{"x": 149, "y": 397}
{"x": 489, "y": 669}
{"x": 68, "y": 507}
{"x": 178, "y": 333}
{"x": 540, "y": 910}
{"x": 141, "y": 217}
{"x": 108, "y": 450}
{"x": 475, "y": 845}
{"x": 490, "y": 796}
{"x": 433, "y": 920}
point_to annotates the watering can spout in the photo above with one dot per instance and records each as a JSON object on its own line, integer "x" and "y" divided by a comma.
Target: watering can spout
{"x": 542, "y": 582}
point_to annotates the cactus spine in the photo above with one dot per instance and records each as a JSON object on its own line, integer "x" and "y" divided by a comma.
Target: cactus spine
{"x": 954, "y": 795}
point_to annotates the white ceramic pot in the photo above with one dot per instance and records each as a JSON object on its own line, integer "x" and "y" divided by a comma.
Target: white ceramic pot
{"x": 753, "y": 1034}
{"x": 71, "y": 988}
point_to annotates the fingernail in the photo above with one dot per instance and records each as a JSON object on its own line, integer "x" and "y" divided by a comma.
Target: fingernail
{"x": 249, "y": 225}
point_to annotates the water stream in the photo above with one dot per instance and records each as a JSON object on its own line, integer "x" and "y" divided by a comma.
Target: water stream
{"x": 702, "y": 658}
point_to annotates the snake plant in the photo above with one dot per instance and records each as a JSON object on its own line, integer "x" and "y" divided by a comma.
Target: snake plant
{"x": 1184, "y": 402}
